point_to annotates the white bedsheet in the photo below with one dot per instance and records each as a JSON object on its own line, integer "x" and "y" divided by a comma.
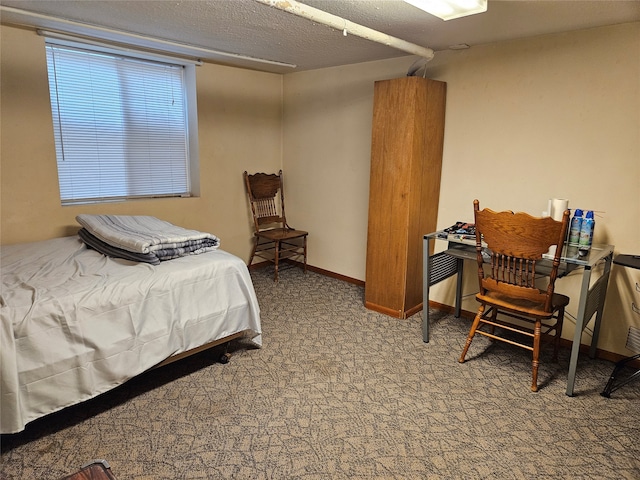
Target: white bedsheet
{"x": 76, "y": 323}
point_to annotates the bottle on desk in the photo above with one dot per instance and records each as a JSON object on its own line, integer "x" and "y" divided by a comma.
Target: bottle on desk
{"x": 586, "y": 232}
{"x": 576, "y": 227}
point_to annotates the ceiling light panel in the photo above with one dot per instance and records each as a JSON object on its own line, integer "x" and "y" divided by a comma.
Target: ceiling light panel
{"x": 450, "y": 9}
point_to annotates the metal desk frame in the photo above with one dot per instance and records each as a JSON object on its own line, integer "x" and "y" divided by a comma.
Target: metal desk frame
{"x": 445, "y": 264}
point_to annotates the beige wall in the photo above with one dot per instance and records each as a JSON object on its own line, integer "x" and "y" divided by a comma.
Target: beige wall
{"x": 554, "y": 116}
{"x": 240, "y": 128}
{"x": 527, "y": 120}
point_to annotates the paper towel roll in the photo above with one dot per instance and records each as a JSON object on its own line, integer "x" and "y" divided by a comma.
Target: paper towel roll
{"x": 557, "y": 208}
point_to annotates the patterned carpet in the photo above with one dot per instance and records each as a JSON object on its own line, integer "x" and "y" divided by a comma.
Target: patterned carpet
{"x": 340, "y": 392}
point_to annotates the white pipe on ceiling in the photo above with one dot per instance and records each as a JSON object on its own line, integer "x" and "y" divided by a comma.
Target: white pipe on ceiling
{"x": 346, "y": 26}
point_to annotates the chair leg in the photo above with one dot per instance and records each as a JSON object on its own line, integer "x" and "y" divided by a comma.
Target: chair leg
{"x": 253, "y": 251}
{"x": 276, "y": 260}
{"x": 559, "y": 323}
{"x": 304, "y": 246}
{"x": 494, "y": 317}
{"x": 536, "y": 355}
{"x": 472, "y": 332}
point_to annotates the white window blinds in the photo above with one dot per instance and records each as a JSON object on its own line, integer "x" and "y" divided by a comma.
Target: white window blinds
{"x": 120, "y": 125}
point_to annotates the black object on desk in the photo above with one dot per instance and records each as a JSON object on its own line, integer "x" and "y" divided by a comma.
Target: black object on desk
{"x": 614, "y": 383}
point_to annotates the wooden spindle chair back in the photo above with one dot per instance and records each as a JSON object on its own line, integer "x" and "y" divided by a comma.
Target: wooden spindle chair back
{"x": 266, "y": 198}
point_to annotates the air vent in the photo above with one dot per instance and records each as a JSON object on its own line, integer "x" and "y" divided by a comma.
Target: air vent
{"x": 633, "y": 339}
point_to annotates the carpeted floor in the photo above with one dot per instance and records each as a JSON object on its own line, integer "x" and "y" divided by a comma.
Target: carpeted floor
{"x": 340, "y": 392}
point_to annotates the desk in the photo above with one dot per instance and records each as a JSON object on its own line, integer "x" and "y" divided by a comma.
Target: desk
{"x": 450, "y": 262}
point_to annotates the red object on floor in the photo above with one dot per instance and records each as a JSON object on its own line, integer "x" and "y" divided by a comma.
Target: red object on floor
{"x": 96, "y": 470}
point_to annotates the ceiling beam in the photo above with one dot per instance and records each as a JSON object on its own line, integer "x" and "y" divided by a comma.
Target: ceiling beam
{"x": 347, "y": 27}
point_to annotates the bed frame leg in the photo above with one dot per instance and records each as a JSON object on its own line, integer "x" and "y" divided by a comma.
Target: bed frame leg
{"x": 225, "y": 356}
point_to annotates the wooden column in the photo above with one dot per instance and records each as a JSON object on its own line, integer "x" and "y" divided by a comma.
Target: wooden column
{"x": 406, "y": 163}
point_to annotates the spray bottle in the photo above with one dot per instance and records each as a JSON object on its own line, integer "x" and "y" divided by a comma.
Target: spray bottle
{"x": 576, "y": 227}
{"x": 586, "y": 232}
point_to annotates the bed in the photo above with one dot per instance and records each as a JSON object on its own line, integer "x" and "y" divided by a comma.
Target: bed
{"x": 77, "y": 323}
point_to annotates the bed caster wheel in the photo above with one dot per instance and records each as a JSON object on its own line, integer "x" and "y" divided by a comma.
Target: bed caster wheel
{"x": 224, "y": 358}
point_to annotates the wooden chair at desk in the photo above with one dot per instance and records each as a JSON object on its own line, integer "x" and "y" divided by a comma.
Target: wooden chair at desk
{"x": 516, "y": 241}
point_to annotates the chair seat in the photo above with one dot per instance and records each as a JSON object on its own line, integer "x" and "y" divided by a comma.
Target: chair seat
{"x": 281, "y": 234}
{"x": 523, "y": 306}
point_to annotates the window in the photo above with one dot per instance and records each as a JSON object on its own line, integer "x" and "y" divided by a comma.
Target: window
{"x": 121, "y": 124}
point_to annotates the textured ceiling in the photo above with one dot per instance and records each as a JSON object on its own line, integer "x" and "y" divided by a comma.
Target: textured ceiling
{"x": 252, "y": 29}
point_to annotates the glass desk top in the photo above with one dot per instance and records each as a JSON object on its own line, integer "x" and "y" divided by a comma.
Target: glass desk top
{"x": 570, "y": 253}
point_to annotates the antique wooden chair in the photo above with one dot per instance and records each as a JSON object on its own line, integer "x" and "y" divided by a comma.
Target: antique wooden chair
{"x": 516, "y": 243}
{"x": 274, "y": 239}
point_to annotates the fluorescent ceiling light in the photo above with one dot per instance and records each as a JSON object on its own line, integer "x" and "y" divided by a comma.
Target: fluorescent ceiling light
{"x": 450, "y": 9}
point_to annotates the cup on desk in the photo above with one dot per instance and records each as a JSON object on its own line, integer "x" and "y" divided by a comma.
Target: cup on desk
{"x": 572, "y": 251}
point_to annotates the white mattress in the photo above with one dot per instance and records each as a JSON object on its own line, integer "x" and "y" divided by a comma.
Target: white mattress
{"x": 76, "y": 323}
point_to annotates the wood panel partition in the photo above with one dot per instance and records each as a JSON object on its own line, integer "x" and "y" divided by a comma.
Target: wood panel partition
{"x": 406, "y": 163}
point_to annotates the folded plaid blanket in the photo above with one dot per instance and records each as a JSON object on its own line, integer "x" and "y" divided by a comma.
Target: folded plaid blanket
{"x": 148, "y": 238}
{"x": 111, "y": 251}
